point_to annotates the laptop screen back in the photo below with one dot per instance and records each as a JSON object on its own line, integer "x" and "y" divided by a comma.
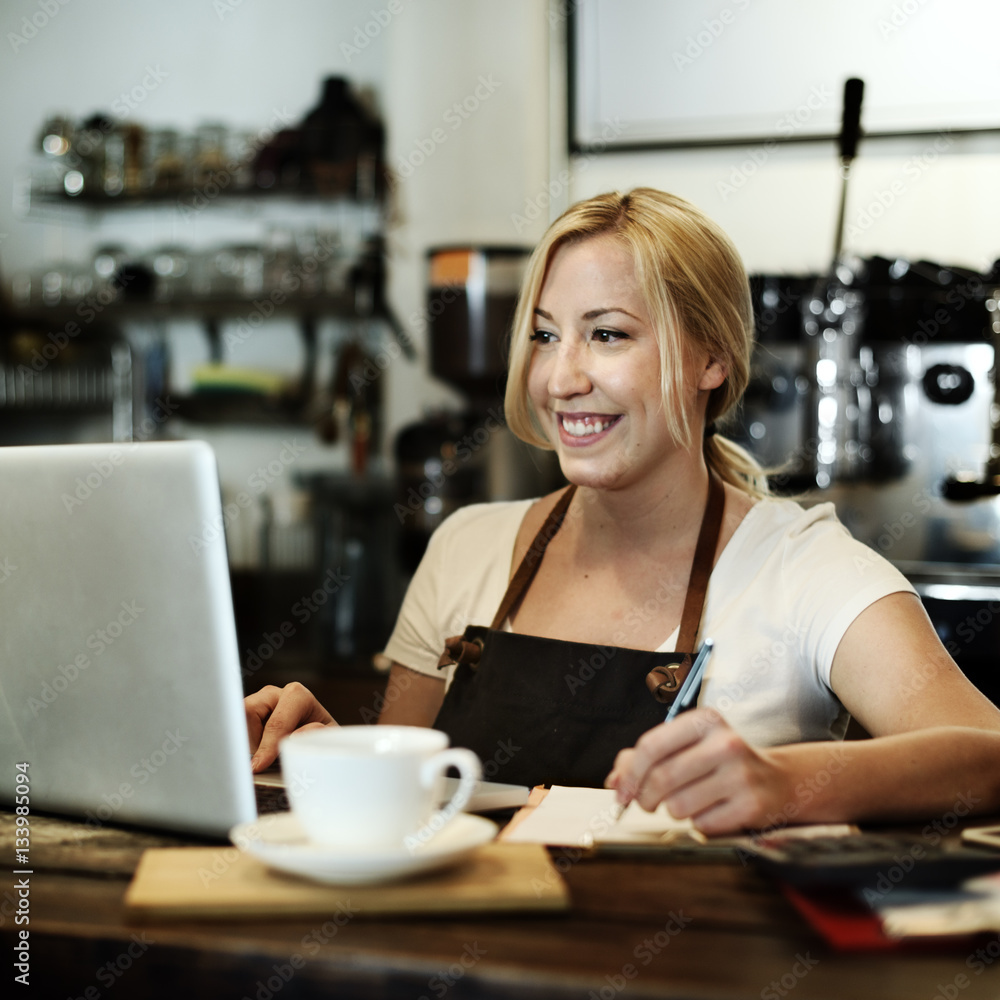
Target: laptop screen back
{"x": 120, "y": 681}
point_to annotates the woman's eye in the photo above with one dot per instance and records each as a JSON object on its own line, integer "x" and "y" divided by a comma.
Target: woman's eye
{"x": 609, "y": 336}
{"x": 542, "y": 336}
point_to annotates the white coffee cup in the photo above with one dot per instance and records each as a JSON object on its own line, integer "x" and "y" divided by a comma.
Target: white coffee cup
{"x": 375, "y": 787}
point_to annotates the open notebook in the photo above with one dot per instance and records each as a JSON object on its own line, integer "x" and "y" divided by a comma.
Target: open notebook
{"x": 587, "y": 818}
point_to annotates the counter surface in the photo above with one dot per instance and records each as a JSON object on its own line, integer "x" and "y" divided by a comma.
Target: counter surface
{"x": 639, "y": 928}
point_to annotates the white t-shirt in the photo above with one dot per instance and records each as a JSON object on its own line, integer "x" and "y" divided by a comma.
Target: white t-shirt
{"x": 783, "y": 593}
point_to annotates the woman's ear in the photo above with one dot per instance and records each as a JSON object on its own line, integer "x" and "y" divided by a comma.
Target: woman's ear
{"x": 713, "y": 375}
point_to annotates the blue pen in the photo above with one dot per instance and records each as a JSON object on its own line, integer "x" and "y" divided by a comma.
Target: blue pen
{"x": 685, "y": 699}
{"x": 691, "y": 687}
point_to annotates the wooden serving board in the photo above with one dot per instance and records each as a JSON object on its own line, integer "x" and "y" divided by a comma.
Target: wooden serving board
{"x": 199, "y": 882}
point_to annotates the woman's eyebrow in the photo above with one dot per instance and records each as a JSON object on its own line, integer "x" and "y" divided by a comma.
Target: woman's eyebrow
{"x": 591, "y": 314}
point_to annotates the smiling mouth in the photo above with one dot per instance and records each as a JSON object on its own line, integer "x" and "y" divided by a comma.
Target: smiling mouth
{"x": 586, "y": 426}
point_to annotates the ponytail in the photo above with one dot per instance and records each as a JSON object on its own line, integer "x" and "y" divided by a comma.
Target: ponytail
{"x": 736, "y": 466}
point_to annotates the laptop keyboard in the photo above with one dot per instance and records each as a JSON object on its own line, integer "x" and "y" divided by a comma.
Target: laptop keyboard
{"x": 270, "y": 799}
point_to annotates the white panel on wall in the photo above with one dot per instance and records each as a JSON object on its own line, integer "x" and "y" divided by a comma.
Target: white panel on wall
{"x": 704, "y": 71}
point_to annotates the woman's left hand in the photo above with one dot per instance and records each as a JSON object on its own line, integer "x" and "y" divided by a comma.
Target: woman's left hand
{"x": 702, "y": 769}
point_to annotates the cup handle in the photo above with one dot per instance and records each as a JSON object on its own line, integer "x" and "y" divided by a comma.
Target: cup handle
{"x": 470, "y": 771}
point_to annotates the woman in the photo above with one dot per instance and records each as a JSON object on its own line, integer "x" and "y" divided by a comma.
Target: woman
{"x": 632, "y": 338}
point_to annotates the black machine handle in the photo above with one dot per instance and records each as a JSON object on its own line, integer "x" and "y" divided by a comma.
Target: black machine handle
{"x": 850, "y": 129}
{"x": 850, "y": 132}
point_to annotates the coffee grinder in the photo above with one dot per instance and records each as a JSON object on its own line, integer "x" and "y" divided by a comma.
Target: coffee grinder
{"x": 456, "y": 457}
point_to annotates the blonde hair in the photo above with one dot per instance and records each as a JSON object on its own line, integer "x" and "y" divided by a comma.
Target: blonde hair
{"x": 696, "y": 289}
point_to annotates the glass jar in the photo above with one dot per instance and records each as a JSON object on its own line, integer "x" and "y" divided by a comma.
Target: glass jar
{"x": 170, "y": 269}
{"x": 209, "y": 158}
{"x": 165, "y": 166}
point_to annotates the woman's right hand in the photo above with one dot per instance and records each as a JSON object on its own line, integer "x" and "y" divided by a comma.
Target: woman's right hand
{"x": 273, "y": 713}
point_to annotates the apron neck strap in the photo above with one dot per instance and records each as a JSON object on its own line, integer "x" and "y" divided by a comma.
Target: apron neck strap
{"x": 528, "y": 567}
{"x": 701, "y": 568}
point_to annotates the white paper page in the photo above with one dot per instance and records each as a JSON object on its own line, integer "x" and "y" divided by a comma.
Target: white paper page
{"x": 933, "y": 912}
{"x": 582, "y": 817}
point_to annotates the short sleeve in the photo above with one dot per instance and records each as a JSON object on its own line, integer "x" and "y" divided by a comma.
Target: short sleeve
{"x": 830, "y": 579}
{"x": 460, "y": 581}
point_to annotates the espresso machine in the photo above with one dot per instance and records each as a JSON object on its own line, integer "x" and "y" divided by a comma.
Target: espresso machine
{"x": 901, "y": 436}
{"x": 875, "y": 387}
{"x": 467, "y": 455}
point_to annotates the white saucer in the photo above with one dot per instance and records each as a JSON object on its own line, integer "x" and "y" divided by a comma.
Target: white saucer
{"x": 277, "y": 839}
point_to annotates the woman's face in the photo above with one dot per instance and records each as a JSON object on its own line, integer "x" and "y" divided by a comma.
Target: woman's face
{"x": 594, "y": 375}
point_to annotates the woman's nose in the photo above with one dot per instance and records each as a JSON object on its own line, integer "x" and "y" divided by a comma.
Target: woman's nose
{"x": 568, "y": 375}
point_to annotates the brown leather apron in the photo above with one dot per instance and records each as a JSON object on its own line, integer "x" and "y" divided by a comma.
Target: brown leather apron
{"x": 547, "y": 711}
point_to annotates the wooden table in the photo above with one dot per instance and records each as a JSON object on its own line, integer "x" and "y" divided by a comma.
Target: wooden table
{"x": 636, "y": 929}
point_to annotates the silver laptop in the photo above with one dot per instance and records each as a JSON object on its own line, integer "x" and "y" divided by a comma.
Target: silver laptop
{"x": 120, "y": 688}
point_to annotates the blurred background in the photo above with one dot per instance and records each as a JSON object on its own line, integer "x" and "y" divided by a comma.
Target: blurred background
{"x": 297, "y": 231}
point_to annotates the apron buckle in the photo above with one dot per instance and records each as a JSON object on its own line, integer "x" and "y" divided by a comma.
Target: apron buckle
{"x": 458, "y": 649}
{"x": 664, "y": 680}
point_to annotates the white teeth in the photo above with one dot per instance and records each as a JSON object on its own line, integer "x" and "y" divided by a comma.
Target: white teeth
{"x": 580, "y": 428}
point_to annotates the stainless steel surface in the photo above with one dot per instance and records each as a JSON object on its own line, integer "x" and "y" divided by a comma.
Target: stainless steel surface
{"x": 906, "y": 518}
